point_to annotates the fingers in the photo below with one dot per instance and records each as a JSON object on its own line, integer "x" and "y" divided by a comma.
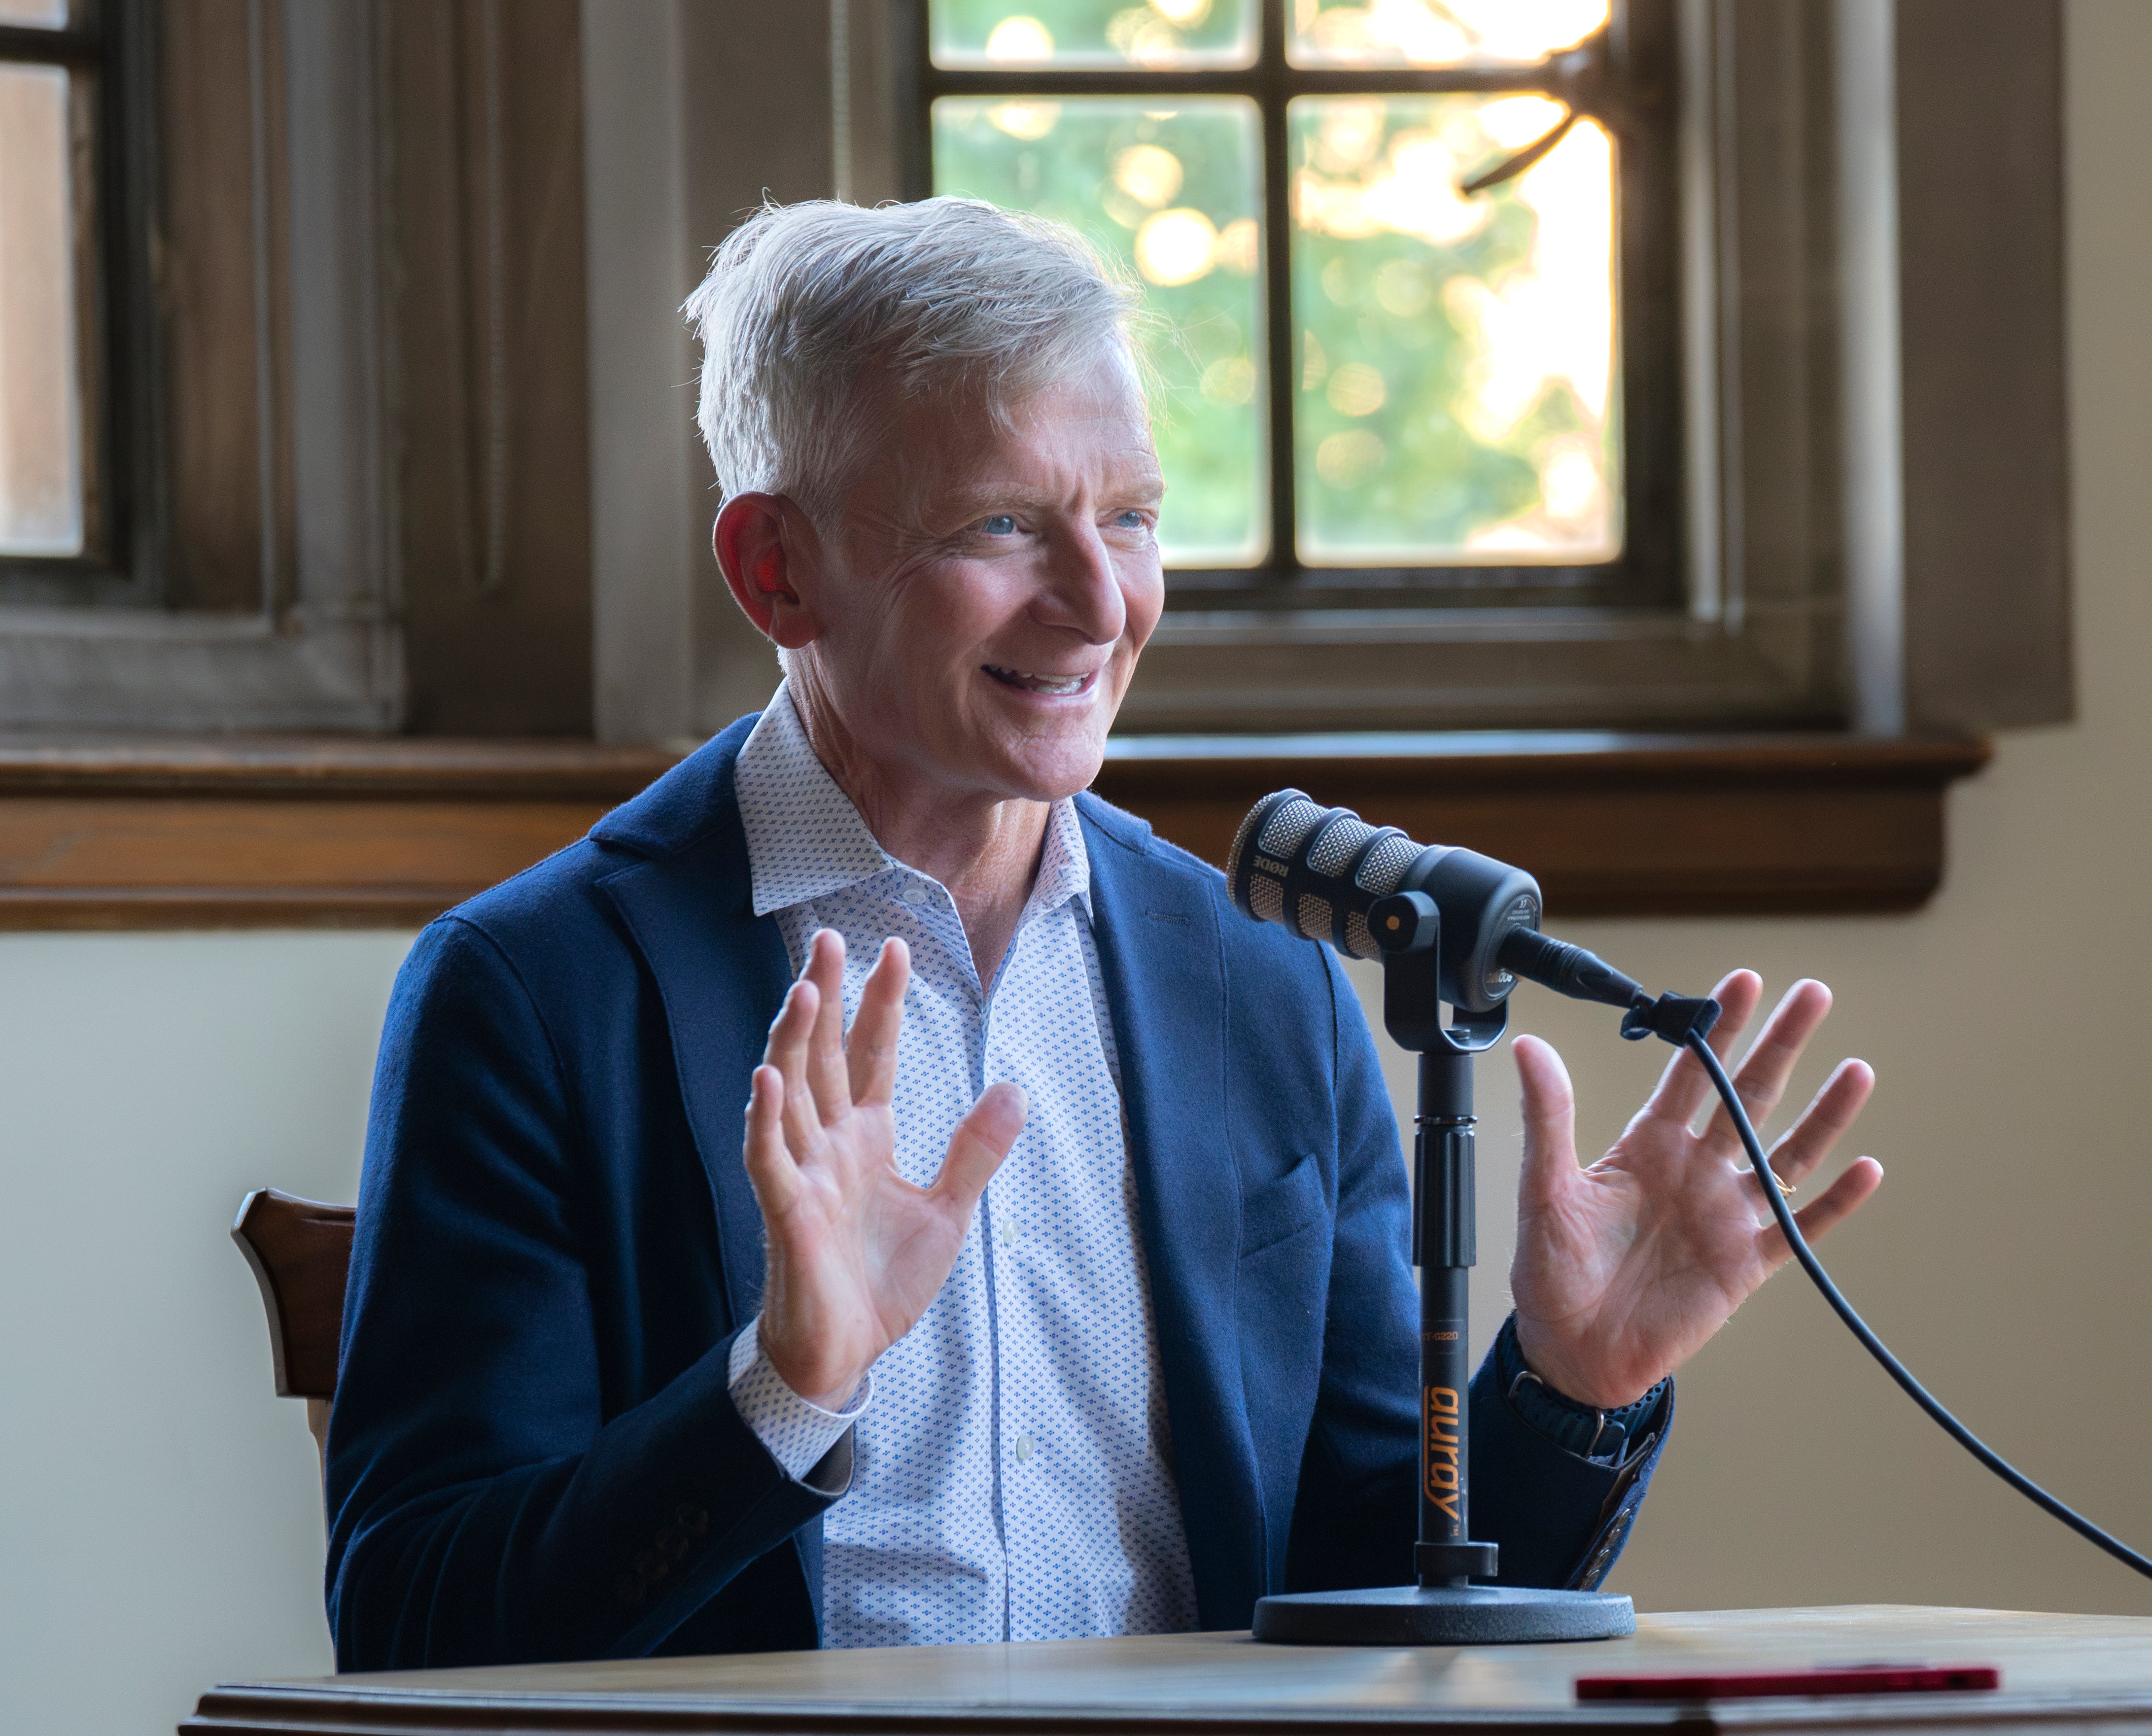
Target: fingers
{"x": 981, "y": 1140}
{"x": 1761, "y": 1080}
{"x": 1826, "y": 1211}
{"x": 1684, "y": 1085}
{"x": 770, "y": 1166}
{"x": 872, "y": 1053}
{"x": 786, "y": 1052}
{"x": 1550, "y": 1116}
{"x": 826, "y": 1070}
{"x": 1829, "y": 1113}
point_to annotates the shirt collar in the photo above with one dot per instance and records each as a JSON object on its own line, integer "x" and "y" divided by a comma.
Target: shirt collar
{"x": 1064, "y": 866}
{"x": 805, "y": 839}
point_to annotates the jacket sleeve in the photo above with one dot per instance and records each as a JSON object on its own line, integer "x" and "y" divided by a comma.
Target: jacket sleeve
{"x": 483, "y": 1507}
{"x": 1560, "y": 1519}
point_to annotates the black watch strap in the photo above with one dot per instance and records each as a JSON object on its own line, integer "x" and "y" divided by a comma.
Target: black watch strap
{"x": 1602, "y": 1436}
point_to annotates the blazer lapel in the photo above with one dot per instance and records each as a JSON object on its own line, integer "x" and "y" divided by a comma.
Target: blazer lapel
{"x": 721, "y": 972}
{"x": 1160, "y": 953}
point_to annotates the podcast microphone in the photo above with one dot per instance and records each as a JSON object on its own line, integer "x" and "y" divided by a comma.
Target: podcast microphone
{"x": 1320, "y": 873}
{"x": 1324, "y": 874}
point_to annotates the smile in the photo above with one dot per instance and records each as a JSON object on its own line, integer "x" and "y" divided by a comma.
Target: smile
{"x": 1059, "y": 686}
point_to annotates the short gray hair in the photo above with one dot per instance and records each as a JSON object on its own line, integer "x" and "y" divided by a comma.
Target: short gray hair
{"x": 946, "y": 296}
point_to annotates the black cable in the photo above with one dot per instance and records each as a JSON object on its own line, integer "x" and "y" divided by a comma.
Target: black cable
{"x": 1695, "y": 1042}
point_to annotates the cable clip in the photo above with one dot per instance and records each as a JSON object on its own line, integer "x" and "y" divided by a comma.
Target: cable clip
{"x": 1674, "y": 1017}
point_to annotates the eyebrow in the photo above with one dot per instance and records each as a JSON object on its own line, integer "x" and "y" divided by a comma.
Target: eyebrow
{"x": 1149, "y": 484}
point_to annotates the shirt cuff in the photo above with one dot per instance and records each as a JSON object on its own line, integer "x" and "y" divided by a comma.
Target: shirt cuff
{"x": 797, "y": 1433}
{"x": 1602, "y": 1436}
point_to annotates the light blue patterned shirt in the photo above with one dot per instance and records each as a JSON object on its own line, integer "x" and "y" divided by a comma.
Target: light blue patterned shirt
{"x": 1011, "y": 1471}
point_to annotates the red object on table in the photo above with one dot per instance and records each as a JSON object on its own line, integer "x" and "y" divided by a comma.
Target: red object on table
{"x": 1850, "y": 1679}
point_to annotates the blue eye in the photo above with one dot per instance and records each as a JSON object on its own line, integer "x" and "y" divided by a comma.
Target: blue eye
{"x": 1002, "y": 524}
{"x": 1132, "y": 520}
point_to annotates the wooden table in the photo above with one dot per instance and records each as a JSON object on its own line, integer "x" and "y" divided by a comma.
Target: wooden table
{"x": 2080, "y": 1671}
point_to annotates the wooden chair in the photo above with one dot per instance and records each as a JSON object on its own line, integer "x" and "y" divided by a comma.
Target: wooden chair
{"x": 301, "y": 1253}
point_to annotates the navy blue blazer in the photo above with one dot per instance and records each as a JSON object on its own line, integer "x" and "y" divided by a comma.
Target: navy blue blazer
{"x": 533, "y": 1453}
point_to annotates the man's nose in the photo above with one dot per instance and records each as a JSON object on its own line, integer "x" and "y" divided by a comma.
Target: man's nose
{"x": 1084, "y": 589}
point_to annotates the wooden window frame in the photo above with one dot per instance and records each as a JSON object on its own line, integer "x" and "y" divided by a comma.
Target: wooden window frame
{"x": 1622, "y": 75}
{"x": 1727, "y": 622}
{"x": 174, "y": 831}
{"x": 354, "y": 210}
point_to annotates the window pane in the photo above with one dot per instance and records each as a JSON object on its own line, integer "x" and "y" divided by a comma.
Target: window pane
{"x": 51, "y": 13}
{"x": 1093, "y": 33}
{"x": 40, "y": 406}
{"x": 1172, "y": 193}
{"x": 1457, "y": 356}
{"x": 1437, "y": 32}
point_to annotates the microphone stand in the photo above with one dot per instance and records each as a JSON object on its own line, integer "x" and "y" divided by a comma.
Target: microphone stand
{"x": 1445, "y": 1608}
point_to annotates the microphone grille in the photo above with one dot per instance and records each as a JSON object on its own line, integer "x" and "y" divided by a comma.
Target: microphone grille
{"x": 1313, "y": 915}
{"x": 1266, "y": 898}
{"x": 1359, "y": 942}
{"x": 1342, "y": 839}
{"x": 1386, "y": 864}
{"x": 1289, "y": 825}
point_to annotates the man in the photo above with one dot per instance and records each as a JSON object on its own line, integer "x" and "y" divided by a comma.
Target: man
{"x": 1060, "y": 1286}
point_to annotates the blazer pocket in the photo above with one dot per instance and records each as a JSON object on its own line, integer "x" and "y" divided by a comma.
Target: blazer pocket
{"x": 1278, "y": 1210}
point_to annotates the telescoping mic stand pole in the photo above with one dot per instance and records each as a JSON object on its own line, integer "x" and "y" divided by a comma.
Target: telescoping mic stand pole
{"x": 1444, "y": 1608}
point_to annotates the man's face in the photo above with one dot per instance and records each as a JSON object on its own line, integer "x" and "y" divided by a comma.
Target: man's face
{"x": 983, "y": 601}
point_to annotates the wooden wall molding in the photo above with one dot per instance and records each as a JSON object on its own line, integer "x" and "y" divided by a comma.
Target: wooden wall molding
{"x": 295, "y": 832}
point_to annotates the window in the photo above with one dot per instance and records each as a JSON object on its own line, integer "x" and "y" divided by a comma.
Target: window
{"x": 63, "y": 493}
{"x": 1405, "y": 253}
{"x": 293, "y": 398}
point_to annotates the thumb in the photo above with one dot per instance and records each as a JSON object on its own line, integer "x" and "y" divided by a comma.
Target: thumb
{"x": 1549, "y": 1117}
{"x": 981, "y": 1141}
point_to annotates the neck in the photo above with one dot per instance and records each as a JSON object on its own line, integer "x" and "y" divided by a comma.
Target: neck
{"x": 985, "y": 849}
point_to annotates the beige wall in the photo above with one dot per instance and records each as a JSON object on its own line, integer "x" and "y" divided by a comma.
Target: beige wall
{"x": 158, "y": 1519}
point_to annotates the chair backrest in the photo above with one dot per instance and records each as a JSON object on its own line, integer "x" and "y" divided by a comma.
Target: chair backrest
{"x": 301, "y": 1253}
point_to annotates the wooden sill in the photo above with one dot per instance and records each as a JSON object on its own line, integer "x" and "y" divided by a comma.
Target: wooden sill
{"x": 300, "y": 832}
{"x": 286, "y": 832}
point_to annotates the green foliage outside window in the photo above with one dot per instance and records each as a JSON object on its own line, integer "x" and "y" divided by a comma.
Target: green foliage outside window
{"x": 1456, "y": 373}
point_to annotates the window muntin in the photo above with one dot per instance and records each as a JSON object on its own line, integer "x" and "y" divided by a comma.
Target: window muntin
{"x": 1476, "y": 442}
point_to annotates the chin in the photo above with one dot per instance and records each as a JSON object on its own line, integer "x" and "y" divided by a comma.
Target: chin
{"x": 1040, "y": 772}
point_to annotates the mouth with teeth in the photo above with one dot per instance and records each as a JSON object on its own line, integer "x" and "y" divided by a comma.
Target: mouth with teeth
{"x": 1056, "y": 687}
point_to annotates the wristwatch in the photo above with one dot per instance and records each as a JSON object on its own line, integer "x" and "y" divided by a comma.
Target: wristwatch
{"x": 1600, "y": 1436}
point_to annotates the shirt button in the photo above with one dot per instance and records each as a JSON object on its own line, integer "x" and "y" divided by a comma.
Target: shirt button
{"x": 914, "y": 893}
{"x": 1022, "y": 1447}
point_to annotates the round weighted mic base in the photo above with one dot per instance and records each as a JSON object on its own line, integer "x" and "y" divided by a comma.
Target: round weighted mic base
{"x": 1443, "y": 1616}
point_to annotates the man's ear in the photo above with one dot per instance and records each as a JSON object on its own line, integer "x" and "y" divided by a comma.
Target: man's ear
{"x": 771, "y": 562}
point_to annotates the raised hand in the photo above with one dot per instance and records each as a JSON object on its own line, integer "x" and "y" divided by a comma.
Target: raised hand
{"x": 855, "y": 1253}
{"x": 1623, "y": 1269}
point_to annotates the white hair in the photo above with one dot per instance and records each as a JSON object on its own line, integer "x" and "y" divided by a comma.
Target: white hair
{"x": 805, "y": 304}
